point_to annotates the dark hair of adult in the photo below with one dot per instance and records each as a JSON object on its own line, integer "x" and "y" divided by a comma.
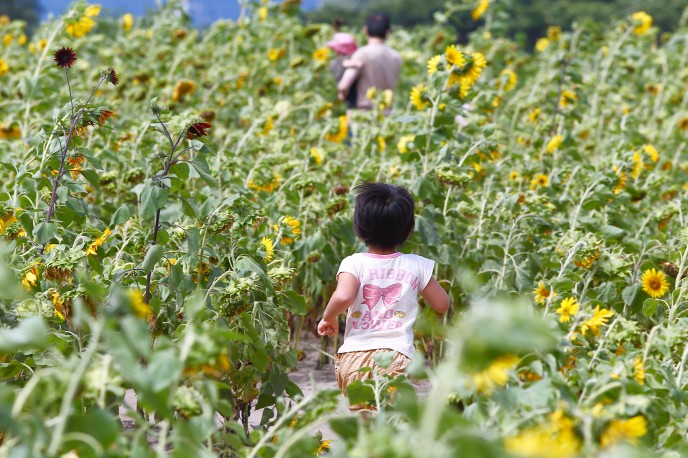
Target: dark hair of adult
{"x": 378, "y": 25}
{"x": 384, "y": 215}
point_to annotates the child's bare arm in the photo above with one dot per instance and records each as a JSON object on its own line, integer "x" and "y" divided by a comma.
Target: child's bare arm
{"x": 436, "y": 296}
{"x": 342, "y": 298}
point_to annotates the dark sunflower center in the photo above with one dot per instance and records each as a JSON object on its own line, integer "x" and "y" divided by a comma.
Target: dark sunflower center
{"x": 655, "y": 284}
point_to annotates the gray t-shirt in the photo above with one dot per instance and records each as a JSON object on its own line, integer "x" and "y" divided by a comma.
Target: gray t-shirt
{"x": 380, "y": 66}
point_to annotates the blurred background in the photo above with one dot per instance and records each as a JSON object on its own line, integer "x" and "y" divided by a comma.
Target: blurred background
{"x": 528, "y": 19}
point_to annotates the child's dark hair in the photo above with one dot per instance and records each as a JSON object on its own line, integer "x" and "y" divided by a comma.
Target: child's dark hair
{"x": 378, "y": 25}
{"x": 384, "y": 215}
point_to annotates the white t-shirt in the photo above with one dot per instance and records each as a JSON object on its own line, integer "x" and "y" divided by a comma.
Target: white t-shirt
{"x": 386, "y": 305}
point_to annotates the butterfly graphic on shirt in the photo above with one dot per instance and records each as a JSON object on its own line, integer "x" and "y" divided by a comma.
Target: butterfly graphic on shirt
{"x": 372, "y": 294}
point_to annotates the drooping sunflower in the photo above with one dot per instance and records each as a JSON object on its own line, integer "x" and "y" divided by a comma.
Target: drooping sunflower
{"x": 655, "y": 283}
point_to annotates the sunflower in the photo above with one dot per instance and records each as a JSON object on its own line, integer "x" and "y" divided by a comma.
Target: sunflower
{"x": 342, "y": 131}
{"x": 321, "y": 54}
{"x": 198, "y": 129}
{"x": 138, "y": 304}
{"x": 418, "y": 97}
{"x": 269, "y": 248}
{"x": 80, "y": 27}
{"x": 111, "y": 76}
{"x": 64, "y": 57}
{"x": 182, "y": 88}
{"x": 622, "y": 183}
{"x": 93, "y": 247}
{"x": 514, "y": 175}
{"x": 682, "y": 124}
{"x": 643, "y": 21}
{"x": 92, "y": 10}
{"x": 324, "y": 447}
{"x": 540, "y": 180}
{"x": 30, "y": 277}
{"x": 624, "y": 430}
{"x": 404, "y": 141}
{"x": 496, "y": 374}
{"x": 316, "y": 155}
{"x": 566, "y": 98}
{"x": 655, "y": 283}
{"x": 567, "y": 309}
{"x": 58, "y": 304}
{"x": 454, "y": 56}
{"x": 127, "y": 22}
{"x": 542, "y": 44}
{"x": 553, "y": 32}
{"x": 534, "y": 115}
{"x": 652, "y": 152}
{"x": 508, "y": 79}
{"x": 554, "y": 143}
{"x": 542, "y": 293}
{"x": 639, "y": 371}
{"x": 4, "y": 68}
{"x": 638, "y": 165}
{"x": 381, "y": 144}
{"x": 433, "y": 64}
{"x": 480, "y": 9}
{"x": 593, "y": 324}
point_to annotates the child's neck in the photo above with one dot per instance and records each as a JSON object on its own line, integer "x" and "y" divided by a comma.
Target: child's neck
{"x": 376, "y": 250}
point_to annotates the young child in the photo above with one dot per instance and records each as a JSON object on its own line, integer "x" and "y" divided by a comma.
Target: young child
{"x": 344, "y": 44}
{"x": 380, "y": 287}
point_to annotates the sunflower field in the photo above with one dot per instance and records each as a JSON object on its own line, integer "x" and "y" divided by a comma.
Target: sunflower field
{"x": 175, "y": 202}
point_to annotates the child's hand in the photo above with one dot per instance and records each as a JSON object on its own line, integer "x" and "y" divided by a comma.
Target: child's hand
{"x": 328, "y": 328}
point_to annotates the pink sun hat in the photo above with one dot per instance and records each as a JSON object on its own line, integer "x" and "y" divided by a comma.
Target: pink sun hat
{"x": 343, "y": 43}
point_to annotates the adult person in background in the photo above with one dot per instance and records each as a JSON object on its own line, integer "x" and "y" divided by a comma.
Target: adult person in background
{"x": 374, "y": 65}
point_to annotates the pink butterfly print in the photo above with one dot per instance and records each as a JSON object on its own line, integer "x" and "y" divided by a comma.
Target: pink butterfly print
{"x": 372, "y": 294}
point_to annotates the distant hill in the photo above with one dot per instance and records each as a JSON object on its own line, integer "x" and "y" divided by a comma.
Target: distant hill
{"x": 203, "y": 11}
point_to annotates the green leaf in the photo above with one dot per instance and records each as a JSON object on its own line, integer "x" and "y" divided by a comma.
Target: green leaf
{"x": 650, "y": 306}
{"x": 294, "y": 302}
{"x": 383, "y": 360}
{"x": 100, "y": 425}
{"x": 201, "y": 166}
{"x": 629, "y": 292}
{"x": 30, "y": 334}
{"x": 360, "y": 393}
{"x": 122, "y": 215}
{"x": 245, "y": 264}
{"x": 153, "y": 255}
{"x": 62, "y": 193}
{"x": 44, "y": 232}
{"x": 92, "y": 177}
{"x": 153, "y": 198}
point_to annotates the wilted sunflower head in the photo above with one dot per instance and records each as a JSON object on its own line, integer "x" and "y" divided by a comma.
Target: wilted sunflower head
{"x": 65, "y": 57}
{"x": 111, "y": 76}
{"x": 198, "y": 129}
